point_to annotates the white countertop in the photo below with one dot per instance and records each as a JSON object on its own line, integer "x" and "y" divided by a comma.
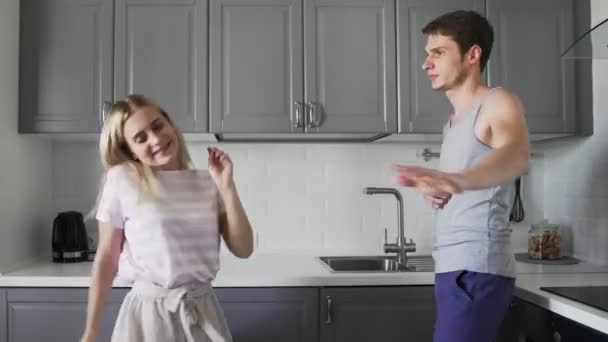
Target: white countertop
{"x": 257, "y": 271}
{"x": 261, "y": 271}
{"x": 265, "y": 270}
{"x": 302, "y": 270}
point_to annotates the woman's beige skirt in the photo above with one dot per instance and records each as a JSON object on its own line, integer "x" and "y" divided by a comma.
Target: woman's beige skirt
{"x": 154, "y": 314}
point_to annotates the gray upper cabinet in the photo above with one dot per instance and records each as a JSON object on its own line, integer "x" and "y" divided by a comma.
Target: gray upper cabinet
{"x": 161, "y": 52}
{"x": 530, "y": 37}
{"x": 280, "y": 66}
{"x": 65, "y": 70}
{"x": 76, "y": 54}
{"x": 421, "y": 109}
{"x": 285, "y": 66}
{"x": 56, "y": 314}
{"x": 377, "y": 314}
{"x": 350, "y": 66}
{"x": 256, "y": 66}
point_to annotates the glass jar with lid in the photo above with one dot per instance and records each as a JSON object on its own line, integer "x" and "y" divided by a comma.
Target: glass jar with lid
{"x": 544, "y": 241}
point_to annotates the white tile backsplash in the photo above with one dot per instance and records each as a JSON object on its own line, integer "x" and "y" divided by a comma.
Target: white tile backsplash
{"x": 576, "y": 182}
{"x": 578, "y": 198}
{"x": 300, "y": 198}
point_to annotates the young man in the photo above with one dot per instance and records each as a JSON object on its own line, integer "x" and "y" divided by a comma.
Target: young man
{"x": 485, "y": 145}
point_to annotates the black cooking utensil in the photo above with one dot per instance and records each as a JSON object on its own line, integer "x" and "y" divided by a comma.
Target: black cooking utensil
{"x": 517, "y": 212}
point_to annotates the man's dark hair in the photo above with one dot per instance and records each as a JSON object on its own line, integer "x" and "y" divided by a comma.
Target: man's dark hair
{"x": 466, "y": 28}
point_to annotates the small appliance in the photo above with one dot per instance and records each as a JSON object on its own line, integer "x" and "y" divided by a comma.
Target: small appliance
{"x": 69, "y": 241}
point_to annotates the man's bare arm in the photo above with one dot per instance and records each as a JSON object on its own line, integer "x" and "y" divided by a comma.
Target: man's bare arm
{"x": 507, "y": 133}
{"x": 508, "y": 136}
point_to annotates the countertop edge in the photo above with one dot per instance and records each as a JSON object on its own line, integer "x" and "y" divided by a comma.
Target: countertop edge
{"x": 418, "y": 279}
{"x": 583, "y": 314}
{"x": 279, "y": 271}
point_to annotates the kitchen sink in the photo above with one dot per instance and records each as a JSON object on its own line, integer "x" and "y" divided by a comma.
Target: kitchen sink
{"x": 382, "y": 263}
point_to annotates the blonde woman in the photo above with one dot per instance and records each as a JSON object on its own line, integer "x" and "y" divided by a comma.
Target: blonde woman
{"x": 160, "y": 224}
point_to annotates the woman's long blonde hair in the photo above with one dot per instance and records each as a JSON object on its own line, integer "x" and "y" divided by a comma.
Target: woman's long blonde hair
{"x": 113, "y": 147}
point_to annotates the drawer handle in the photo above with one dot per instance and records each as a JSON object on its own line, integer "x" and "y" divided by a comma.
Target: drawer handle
{"x": 299, "y": 122}
{"x": 328, "y": 320}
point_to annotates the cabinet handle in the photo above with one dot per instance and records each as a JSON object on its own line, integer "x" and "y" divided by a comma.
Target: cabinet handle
{"x": 312, "y": 120}
{"x": 328, "y": 320}
{"x": 557, "y": 337}
{"x": 106, "y": 106}
{"x": 299, "y": 106}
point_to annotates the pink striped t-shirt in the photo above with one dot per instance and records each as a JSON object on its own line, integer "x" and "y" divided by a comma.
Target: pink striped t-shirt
{"x": 171, "y": 240}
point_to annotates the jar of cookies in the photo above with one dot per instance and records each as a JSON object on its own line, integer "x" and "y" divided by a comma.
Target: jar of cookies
{"x": 544, "y": 241}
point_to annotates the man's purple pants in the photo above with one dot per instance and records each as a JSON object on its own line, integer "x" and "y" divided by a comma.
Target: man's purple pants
{"x": 470, "y": 305}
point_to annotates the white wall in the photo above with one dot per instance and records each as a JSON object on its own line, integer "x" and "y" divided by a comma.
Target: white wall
{"x": 25, "y": 166}
{"x": 303, "y": 199}
{"x": 576, "y": 172}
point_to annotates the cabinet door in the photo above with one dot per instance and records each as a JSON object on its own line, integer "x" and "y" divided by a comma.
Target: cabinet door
{"x": 161, "y": 52}
{"x": 568, "y": 330}
{"x": 509, "y": 330}
{"x": 255, "y": 68}
{"x": 3, "y": 321}
{"x": 525, "y": 322}
{"x": 529, "y": 39}
{"x": 271, "y": 314}
{"x": 377, "y": 314}
{"x": 39, "y": 314}
{"x": 65, "y": 65}
{"x": 422, "y": 109}
{"x": 350, "y": 65}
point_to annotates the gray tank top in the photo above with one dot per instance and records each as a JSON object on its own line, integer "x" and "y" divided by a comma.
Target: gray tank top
{"x": 473, "y": 231}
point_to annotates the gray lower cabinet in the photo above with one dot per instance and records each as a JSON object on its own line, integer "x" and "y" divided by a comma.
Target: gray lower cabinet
{"x": 527, "y": 322}
{"x": 55, "y": 314}
{"x": 161, "y": 51}
{"x": 307, "y": 314}
{"x": 377, "y": 314}
{"x": 271, "y": 314}
{"x": 529, "y": 39}
{"x": 254, "y": 314}
{"x": 65, "y": 64}
{"x": 3, "y": 326}
{"x": 564, "y": 329}
{"x": 421, "y": 108}
{"x": 295, "y": 66}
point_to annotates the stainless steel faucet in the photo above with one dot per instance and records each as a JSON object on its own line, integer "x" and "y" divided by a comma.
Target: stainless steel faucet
{"x": 402, "y": 247}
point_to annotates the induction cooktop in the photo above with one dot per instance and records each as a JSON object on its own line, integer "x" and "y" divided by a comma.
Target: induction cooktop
{"x": 595, "y": 296}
